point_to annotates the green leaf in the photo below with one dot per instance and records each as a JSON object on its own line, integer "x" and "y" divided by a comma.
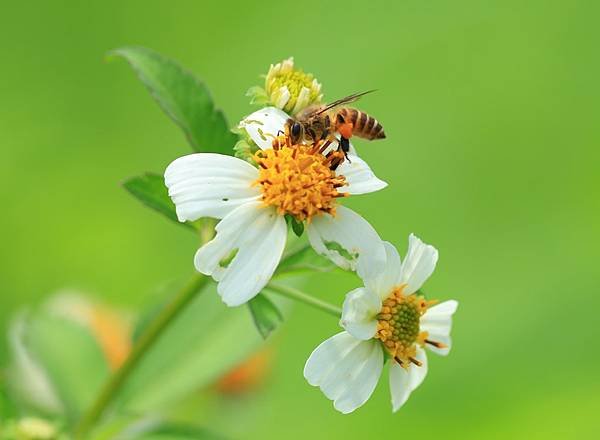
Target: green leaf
{"x": 183, "y": 97}
{"x": 150, "y": 189}
{"x": 70, "y": 357}
{"x": 265, "y": 314}
{"x": 205, "y": 342}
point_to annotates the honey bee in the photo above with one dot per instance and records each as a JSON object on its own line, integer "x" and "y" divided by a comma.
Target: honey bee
{"x": 322, "y": 122}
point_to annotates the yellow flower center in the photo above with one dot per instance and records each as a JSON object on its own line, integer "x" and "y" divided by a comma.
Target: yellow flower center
{"x": 296, "y": 81}
{"x": 298, "y": 179}
{"x": 398, "y": 326}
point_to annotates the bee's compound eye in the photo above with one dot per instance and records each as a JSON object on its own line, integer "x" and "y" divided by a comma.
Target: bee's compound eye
{"x": 296, "y": 129}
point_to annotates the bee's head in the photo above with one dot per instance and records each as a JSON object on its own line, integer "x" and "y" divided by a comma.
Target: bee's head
{"x": 295, "y": 131}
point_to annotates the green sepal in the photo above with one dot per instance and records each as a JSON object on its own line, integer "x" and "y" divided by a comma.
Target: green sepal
{"x": 245, "y": 150}
{"x": 297, "y": 227}
{"x": 386, "y": 356}
{"x": 257, "y": 95}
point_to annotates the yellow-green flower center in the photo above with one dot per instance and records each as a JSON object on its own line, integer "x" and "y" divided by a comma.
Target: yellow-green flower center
{"x": 291, "y": 89}
{"x": 295, "y": 81}
{"x": 398, "y": 326}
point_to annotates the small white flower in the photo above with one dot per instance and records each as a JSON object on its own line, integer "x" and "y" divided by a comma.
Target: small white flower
{"x": 385, "y": 316}
{"x": 252, "y": 203}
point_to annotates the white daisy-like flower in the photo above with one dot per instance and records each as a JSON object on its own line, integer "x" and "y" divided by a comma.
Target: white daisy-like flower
{"x": 387, "y": 316}
{"x": 252, "y": 202}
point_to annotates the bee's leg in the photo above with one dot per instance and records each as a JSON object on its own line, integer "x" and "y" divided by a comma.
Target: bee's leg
{"x": 345, "y": 145}
{"x": 325, "y": 146}
{"x": 335, "y": 163}
{"x": 335, "y": 158}
{"x": 316, "y": 147}
{"x": 329, "y": 140}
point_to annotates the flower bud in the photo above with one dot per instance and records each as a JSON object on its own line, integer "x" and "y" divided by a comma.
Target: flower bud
{"x": 287, "y": 88}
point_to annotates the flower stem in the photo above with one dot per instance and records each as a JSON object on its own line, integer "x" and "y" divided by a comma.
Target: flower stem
{"x": 298, "y": 295}
{"x": 141, "y": 347}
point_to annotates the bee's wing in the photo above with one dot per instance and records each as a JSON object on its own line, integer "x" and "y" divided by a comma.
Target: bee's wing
{"x": 346, "y": 100}
{"x": 309, "y": 111}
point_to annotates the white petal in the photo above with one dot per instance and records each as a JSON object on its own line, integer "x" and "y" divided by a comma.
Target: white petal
{"x": 437, "y": 321}
{"x": 360, "y": 178}
{"x": 302, "y": 100}
{"x": 355, "y": 235}
{"x": 346, "y": 369}
{"x": 359, "y": 315}
{"x": 264, "y": 125}
{"x": 321, "y": 361}
{"x": 417, "y": 374}
{"x": 403, "y": 382}
{"x": 363, "y": 380}
{"x": 283, "y": 97}
{"x": 259, "y": 235}
{"x": 389, "y": 277}
{"x": 209, "y": 185}
{"x": 418, "y": 265}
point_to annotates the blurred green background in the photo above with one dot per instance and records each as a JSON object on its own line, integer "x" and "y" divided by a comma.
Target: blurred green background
{"x": 491, "y": 110}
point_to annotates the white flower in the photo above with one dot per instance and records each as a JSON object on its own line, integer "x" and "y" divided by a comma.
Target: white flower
{"x": 252, "y": 203}
{"x": 385, "y": 316}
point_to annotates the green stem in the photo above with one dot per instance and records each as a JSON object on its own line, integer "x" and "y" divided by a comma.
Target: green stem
{"x": 298, "y": 295}
{"x": 141, "y": 347}
{"x": 299, "y": 269}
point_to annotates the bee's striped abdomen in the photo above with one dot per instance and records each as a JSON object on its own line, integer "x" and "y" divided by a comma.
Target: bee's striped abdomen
{"x": 365, "y": 126}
